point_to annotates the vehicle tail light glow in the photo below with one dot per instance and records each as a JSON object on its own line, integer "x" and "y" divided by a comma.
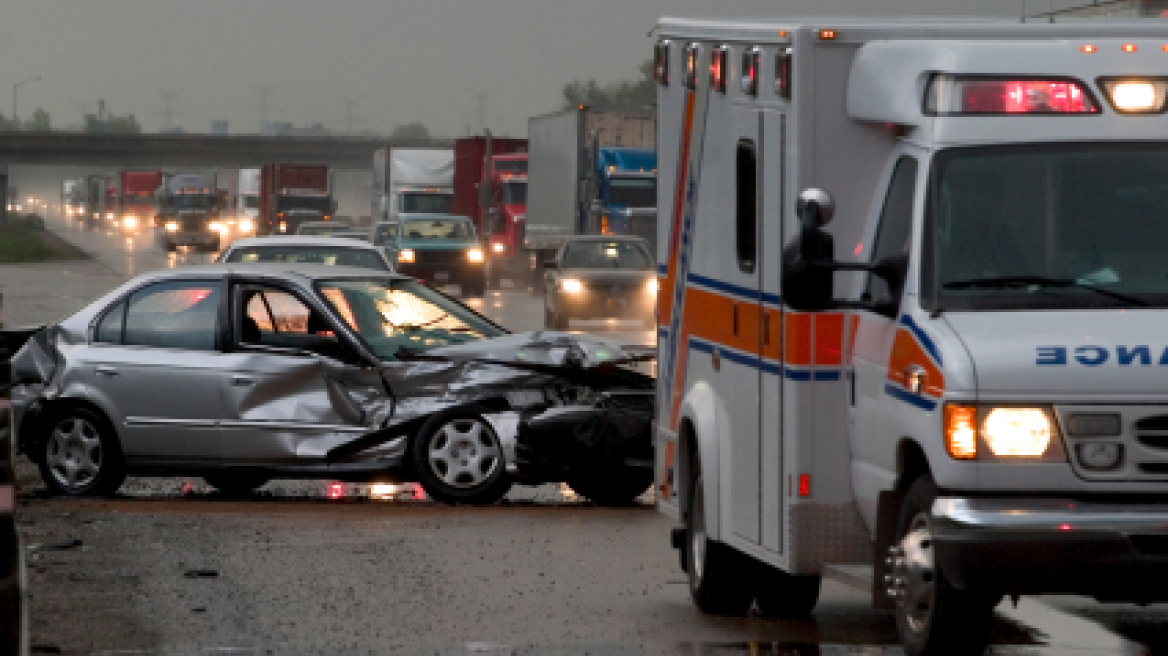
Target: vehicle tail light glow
{"x": 1129, "y": 47}
{"x": 718, "y": 62}
{"x": 783, "y": 74}
{"x": 751, "y": 60}
{"x": 1089, "y": 49}
{"x": 804, "y": 485}
{"x": 336, "y": 490}
{"x": 955, "y": 95}
{"x": 661, "y": 62}
{"x": 691, "y": 65}
{"x": 1136, "y": 96}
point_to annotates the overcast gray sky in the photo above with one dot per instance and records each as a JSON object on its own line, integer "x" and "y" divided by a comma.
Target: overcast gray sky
{"x": 406, "y": 60}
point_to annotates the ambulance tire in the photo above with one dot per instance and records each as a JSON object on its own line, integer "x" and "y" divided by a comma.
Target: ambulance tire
{"x": 937, "y": 618}
{"x": 721, "y": 579}
{"x": 785, "y": 595}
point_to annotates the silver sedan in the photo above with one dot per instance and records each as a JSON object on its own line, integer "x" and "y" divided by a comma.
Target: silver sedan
{"x": 244, "y": 373}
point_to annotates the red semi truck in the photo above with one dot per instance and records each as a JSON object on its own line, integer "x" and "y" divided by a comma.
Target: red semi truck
{"x": 291, "y": 194}
{"x": 492, "y": 191}
{"x": 134, "y": 205}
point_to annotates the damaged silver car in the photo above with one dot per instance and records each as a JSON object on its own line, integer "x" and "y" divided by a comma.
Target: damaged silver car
{"x": 245, "y": 373}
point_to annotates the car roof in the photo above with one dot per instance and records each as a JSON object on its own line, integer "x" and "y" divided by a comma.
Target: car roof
{"x": 289, "y": 271}
{"x": 302, "y": 240}
{"x": 575, "y": 238}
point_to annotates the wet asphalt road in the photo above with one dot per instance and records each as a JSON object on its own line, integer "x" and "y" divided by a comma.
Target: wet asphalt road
{"x": 311, "y": 568}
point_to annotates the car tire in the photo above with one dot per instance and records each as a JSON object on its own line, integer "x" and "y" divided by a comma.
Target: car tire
{"x": 932, "y": 617}
{"x": 612, "y": 488}
{"x": 785, "y": 595}
{"x": 459, "y": 459}
{"x": 721, "y": 579}
{"x": 236, "y": 484}
{"x": 79, "y": 454}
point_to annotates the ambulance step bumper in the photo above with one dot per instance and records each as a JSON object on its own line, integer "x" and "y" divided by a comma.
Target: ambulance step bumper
{"x": 1114, "y": 552}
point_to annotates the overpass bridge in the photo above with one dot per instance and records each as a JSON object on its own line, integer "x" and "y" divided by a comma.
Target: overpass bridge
{"x": 190, "y": 150}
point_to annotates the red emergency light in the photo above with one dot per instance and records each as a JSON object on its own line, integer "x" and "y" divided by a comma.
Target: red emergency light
{"x": 692, "y": 52}
{"x": 783, "y": 73}
{"x": 965, "y": 95}
{"x": 718, "y": 63}
{"x": 751, "y": 60}
{"x": 661, "y": 61}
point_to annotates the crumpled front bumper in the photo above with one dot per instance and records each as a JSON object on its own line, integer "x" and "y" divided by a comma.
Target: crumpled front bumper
{"x": 1111, "y": 551}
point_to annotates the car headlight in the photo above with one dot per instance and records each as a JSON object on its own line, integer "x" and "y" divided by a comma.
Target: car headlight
{"x": 172, "y": 226}
{"x": 283, "y": 227}
{"x": 651, "y": 287}
{"x": 215, "y": 226}
{"x": 130, "y": 222}
{"x": 499, "y": 247}
{"x": 1001, "y": 432}
{"x": 475, "y": 255}
{"x": 246, "y": 225}
{"x": 571, "y": 285}
{"x": 109, "y": 215}
{"x": 406, "y": 256}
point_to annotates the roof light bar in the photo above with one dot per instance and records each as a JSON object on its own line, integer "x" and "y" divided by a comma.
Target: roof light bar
{"x": 1135, "y": 95}
{"x": 988, "y": 95}
{"x": 661, "y": 53}
{"x": 751, "y": 63}
{"x": 719, "y": 62}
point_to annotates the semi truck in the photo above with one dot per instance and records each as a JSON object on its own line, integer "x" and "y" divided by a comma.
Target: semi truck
{"x": 412, "y": 181}
{"x": 189, "y": 210}
{"x": 490, "y": 186}
{"x": 911, "y": 314}
{"x": 291, "y": 194}
{"x": 71, "y": 196}
{"x": 591, "y": 172}
{"x": 134, "y": 199}
{"x": 247, "y": 200}
{"x": 95, "y": 196}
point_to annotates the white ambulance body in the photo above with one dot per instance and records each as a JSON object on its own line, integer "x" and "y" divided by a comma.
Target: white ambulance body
{"x": 986, "y": 416}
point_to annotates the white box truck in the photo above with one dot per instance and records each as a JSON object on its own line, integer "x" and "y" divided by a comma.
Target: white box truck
{"x": 959, "y": 377}
{"x": 247, "y": 200}
{"x": 412, "y": 180}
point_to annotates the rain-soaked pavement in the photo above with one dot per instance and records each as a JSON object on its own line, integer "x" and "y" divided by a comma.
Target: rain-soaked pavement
{"x": 171, "y": 567}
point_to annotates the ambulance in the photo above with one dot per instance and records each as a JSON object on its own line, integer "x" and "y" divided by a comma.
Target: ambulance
{"x": 913, "y": 313}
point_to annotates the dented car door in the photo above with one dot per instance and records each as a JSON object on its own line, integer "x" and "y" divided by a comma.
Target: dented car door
{"x": 292, "y": 391}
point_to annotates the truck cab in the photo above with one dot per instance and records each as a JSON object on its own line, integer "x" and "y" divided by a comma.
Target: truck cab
{"x": 911, "y": 314}
{"x": 188, "y": 209}
{"x": 505, "y": 217}
{"x": 626, "y": 199}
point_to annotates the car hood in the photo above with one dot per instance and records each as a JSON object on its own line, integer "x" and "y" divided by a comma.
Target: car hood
{"x": 546, "y": 349}
{"x": 1088, "y": 354}
{"x": 437, "y": 244}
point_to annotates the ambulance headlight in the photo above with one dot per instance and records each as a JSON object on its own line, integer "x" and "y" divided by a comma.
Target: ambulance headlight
{"x": 651, "y": 287}
{"x": 1129, "y": 96}
{"x": 989, "y": 432}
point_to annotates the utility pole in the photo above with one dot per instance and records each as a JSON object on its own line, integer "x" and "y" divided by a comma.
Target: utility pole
{"x": 481, "y": 100}
{"x": 264, "y": 90}
{"x": 15, "y": 87}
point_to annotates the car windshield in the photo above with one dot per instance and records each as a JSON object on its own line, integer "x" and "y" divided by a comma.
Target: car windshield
{"x": 515, "y": 193}
{"x": 633, "y": 192}
{"x": 391, "y": 315}
{"x": 616, "y": 254}
{"x": 426, "y": 203}
{"x": 191, "y": 202}
{"x": 327, "y": 229}
{"x": 511, "y": 165}
{"x": 251, "y": 202}
{"x": 320, "y": 204}
{"x": 342, "y": 256}
{"x": 1066, "y": 226}
{"x": 461, "y": 229}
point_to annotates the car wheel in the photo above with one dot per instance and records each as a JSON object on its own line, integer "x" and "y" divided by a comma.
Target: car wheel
{"x": 80, "y": 455}
{"x": 721, "y": 579}
{"x": 236, "y": 484}
{"x": 458, "y": 459}
{"x": 932, "y": 617}
{"x": 616, "y": 487}
{"x": 786, "y": 595}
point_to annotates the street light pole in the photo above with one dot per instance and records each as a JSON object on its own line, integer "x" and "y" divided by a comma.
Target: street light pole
{"x": 15, "y": 116}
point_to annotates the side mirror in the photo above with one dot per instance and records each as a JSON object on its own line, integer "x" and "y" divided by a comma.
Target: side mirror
{"x": 550, "y": 264}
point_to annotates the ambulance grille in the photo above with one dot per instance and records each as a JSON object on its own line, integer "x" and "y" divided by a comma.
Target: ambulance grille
{"x": 1140, "y": 435}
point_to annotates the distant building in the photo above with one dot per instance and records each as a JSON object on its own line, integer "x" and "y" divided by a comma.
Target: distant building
{"x": 286, "y": 129}
{"x": 219, "y": 127}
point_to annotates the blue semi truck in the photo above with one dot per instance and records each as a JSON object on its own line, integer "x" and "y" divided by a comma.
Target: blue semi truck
{"x": 590, "y": 172}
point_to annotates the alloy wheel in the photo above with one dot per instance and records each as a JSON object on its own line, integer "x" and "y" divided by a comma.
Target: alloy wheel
{"x": 464, "y": 453}
{"x": 74, "y": 453}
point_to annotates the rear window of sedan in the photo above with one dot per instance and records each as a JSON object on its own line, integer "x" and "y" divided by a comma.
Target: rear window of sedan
{"x": 606, "y": 255}
{"x": 332, "y": 255}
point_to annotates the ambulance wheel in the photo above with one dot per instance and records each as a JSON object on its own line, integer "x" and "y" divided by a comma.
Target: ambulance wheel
{"x": 932, "y": 617}
{"x": 785, "y": 595}
{"x": 721, "y": 580}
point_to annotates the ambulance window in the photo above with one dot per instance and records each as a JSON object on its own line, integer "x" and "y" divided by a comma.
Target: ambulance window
{"x": 746, "y": 170}
{"x": 895, "y": 230}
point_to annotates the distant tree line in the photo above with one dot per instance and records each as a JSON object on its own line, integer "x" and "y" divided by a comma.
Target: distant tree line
{"x": 104, "y": 123}
{"x": 624, "y": 94}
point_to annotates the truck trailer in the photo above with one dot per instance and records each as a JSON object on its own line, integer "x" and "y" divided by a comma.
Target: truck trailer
{"x": 591, "y": 172}
{"x": 134, "y": 208}
{"x": 911, "y": 314}
{"x": 412, "y": 181}
{"x": 291, "y": 194}
{"x": 490, "y": 186}
{"x": 247, "y": 200}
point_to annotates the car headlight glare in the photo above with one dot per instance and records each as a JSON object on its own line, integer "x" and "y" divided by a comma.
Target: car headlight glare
{"x": 961, "y": 431}
{"x": 406, "y": 256}
{"x": 246, "y": 225}
{"x": 571, "y": 285}
{"x": 172, "y": 226}
{"x": 283, "y": 227}
{"x": 130, "y": 222}
{"x": 475, "y": 255}
{"x": 109, "y": 215}
{"x": 1018, "y": 432}
{"x": 651, "y": 287}
{"x": 499, "y": 247}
